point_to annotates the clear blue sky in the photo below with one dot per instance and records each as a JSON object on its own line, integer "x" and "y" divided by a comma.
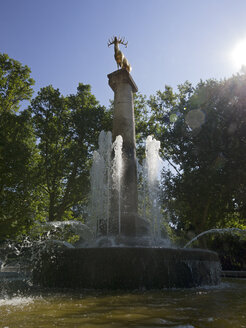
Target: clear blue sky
{"x": 64, "y": 42}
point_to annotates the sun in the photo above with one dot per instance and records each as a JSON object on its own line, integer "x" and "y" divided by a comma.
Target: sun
{"x": 238, "y": 54}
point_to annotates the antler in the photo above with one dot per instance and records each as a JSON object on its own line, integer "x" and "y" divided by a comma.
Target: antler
{"x": 115, "y": 40}
{"x": 122, "y": 41}
{"x": 112, "y": 41}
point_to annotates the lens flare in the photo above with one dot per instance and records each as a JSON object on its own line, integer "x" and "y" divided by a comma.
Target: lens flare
{"x": 238, "y": 54}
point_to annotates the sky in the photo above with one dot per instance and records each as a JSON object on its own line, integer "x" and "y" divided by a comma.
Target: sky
{"x": 64, "y": 42}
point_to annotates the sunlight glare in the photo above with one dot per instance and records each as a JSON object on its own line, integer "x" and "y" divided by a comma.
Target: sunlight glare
{"x": 239, "y": 54}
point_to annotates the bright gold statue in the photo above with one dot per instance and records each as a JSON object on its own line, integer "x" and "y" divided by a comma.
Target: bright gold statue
{"x": 121, "y": 60}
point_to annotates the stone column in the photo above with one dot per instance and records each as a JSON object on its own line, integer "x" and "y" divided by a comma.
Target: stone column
{"x": 123, "y": 86}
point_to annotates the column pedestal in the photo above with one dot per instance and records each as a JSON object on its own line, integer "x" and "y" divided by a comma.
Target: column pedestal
{"x": 123, "y": 86}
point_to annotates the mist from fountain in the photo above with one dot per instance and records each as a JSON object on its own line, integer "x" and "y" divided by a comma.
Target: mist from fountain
{"x": 100, "y": 178}
{"x": 106, "y": 174}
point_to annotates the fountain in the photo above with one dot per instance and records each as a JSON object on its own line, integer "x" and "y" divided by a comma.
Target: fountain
{"x": 128, "y": 251}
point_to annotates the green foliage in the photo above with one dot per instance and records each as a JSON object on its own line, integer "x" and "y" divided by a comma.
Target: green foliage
{"x": 205, "y": 145}
{"x": 17, "y": 149}
{"x": 67, "y": 129}
{"x": 45, "y": 151}
{"x": 231, "y": 249}
{"x": 17, "y": 173}
{"x": 15, "y": 84}
{"x": 142, "y": 126}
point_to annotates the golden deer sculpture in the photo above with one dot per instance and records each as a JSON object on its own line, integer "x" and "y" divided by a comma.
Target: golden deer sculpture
{"x": 121, "y": 60}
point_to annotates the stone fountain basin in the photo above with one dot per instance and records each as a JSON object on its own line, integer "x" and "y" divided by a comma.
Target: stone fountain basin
{"x": 127, "y": 268}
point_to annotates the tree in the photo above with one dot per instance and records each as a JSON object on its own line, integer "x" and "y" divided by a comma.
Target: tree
{"x": 15, "y": 84}
{"x": 17, "y": 149}
{"x": 17, "y": 172}
{"x": 67, "y": 129}
{"x": 143, "y": 125}
{"x": 203, "y": 133}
